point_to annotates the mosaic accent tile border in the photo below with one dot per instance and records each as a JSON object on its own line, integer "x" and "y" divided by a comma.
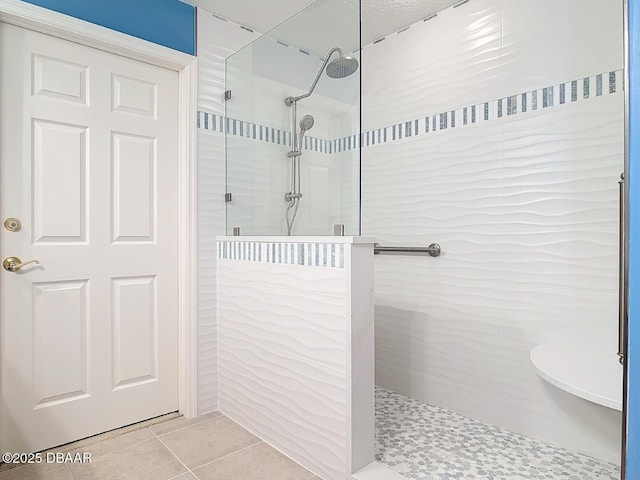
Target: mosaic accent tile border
{"x": 253, "y": 131}
{"x": 308, "y": 254}
{"x": 539, "y": 99}
{"x": 423, "y": 442}
{"x": 523, "y": 103}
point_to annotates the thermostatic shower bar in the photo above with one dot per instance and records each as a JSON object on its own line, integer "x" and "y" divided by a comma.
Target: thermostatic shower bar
{"x": 433, "y": 249}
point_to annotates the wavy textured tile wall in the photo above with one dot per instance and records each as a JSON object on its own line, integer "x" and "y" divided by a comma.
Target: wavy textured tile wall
{"x": 216, "y": 40}
{"x": 519, "y": 205}
{"x": 484, "y": 50}
{"x": 524, "y": 207}
{"x": 296, "y": 354}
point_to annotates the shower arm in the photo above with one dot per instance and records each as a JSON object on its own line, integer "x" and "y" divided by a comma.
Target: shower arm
{"x": 291, "y": 100}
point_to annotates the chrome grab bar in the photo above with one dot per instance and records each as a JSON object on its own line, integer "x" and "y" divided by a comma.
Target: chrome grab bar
{"x": 433, "y": 249}
{"x": 622, "y": 278}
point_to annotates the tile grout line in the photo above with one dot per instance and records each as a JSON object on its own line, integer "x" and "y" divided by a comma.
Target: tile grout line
{"x": 250, "y": 430}
{"x": 187, "y": 426}
{"x": 176, "y": 457}
{"x": 229, "y": 454}
{"x": 86, "y": 444}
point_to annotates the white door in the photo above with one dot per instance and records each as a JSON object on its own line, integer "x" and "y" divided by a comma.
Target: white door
{"x": 88, "y": 164}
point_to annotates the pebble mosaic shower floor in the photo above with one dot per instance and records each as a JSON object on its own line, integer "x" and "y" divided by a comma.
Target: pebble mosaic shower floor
{"x": 423, "y": 442}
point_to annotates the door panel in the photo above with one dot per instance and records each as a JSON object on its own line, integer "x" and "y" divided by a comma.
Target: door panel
{"x": 60, "y": 317}
{"x": 134, "y": 96}
{"x": 133, "y": 188}
{"x": 59, "y": 182}
{"x": 88, "y": 163}
{"x": 59, "y": 79}
{"x": 135, "y": 322}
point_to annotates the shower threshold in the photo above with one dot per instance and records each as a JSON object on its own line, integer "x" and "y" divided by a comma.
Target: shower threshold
{"x": 423, "y": 442}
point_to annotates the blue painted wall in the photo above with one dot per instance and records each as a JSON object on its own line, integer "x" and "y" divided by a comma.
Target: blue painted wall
{"x": 633, "y": 359}
{"x": 166, "y": 22}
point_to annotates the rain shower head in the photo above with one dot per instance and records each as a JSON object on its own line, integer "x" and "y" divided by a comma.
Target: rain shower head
{"x": 342, "y": 67}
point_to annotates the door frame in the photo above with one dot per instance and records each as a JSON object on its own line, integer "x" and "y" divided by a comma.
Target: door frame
{"x": 42, "y": 20}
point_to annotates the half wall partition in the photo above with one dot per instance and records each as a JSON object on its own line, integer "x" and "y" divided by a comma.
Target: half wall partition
{"x": 295, "y": 306}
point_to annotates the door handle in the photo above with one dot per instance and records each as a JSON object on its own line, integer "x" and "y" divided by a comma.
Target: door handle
{"x": 622, "y": 277}
{"x": 13, "y": 264}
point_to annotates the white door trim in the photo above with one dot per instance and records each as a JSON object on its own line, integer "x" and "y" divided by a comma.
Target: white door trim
{"x": 41, "y": 20}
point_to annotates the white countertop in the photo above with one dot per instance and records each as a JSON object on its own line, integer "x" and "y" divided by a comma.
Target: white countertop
{"x": 295, "y": 239}
{"x": 596, "y": 377}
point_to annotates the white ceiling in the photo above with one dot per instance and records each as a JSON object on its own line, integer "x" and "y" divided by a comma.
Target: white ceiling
{"x": 379, "y": 18}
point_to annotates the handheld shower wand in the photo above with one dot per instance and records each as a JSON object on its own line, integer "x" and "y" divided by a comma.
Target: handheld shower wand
{"x": 306, "y": 123}
{"x": 294, "y": 196}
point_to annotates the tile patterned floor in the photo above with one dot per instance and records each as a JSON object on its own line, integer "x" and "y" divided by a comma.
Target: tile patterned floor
{"x": 423, "y": 442}
{"x": 419, "y": 441}
{"x": 210, "y": 447}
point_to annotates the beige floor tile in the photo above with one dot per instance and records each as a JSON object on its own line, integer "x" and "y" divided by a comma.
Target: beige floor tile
{"x": 259, "y": 462}
{"x": 147, "y": 460}
{"x": 204, "y": 442}
{"x": 102, "y": 437}
{"x": 181, "y": 422}
{"x": 41, "y": 471}
{"x": 185, "y": 476}
{"x": 116, "y": 443}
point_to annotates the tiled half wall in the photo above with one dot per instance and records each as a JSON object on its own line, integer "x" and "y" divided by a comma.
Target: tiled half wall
{"x": 295, "y": 361}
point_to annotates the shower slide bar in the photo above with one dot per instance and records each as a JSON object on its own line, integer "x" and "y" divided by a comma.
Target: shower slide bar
{"x": 433, "y": 249}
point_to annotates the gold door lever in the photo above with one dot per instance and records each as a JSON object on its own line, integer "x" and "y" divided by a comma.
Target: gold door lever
{"x": 13, "y": 264}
